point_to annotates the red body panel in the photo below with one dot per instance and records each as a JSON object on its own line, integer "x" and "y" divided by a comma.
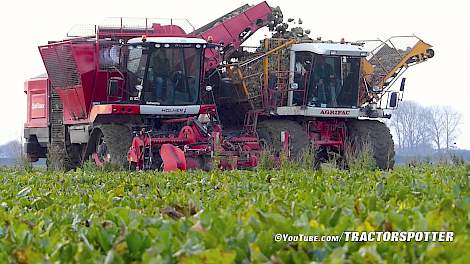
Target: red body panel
{"x": 37, "y": 102}
{"x": 173, "y": 158}
{"x": 74, "y": 104}
{"x": 100, "y": 94}
{"x": 87, "y": 63}
{"x": 118, "y": 109}
{"x": 71, "y": 68}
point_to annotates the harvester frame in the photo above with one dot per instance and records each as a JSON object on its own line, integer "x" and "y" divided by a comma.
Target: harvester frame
{"x": 106, "y": 96}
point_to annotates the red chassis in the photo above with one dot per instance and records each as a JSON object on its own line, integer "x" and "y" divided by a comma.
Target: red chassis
{"x": 328, "y": 133}
{"x": 192, "y": 147}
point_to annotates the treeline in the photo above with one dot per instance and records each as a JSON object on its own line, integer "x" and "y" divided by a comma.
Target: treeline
{"x": 419, "y": 129}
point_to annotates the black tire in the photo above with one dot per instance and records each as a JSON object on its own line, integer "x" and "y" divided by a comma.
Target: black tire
{"x": 378, "y": 136}
{"x": 117, "y": 139}
{"x": 269, "y": 132}
{"x": 73, "y": 156}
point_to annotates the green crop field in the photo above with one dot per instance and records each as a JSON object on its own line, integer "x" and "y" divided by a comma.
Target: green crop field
{"x": 91, "y": 216}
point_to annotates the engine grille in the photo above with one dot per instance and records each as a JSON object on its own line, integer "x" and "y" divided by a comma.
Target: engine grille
{"x": 60, "y": 65}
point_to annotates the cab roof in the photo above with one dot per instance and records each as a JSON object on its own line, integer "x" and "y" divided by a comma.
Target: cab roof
{"x": 334, "y": 49}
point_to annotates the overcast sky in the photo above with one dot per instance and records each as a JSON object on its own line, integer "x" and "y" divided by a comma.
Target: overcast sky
{"x": 443, "y": 24}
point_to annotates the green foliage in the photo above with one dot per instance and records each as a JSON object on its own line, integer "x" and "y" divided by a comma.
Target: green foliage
{"x": 24, "y": 164}
{"x": 55, "y": 157}
{"x": 456, "y": 159}
{"x": 361, "y": 158}
{"x": 95, "y": 216}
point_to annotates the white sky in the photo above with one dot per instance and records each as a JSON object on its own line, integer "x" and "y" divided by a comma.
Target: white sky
{"x": 443, "y": 24}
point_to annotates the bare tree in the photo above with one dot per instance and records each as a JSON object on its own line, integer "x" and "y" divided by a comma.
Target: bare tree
{"x": 452, "y": 121}
{"x": 436, "y": 123}
{"x": 396, "y": 126}
{"x": 409, "y": 126}
{"x": 416, "y": 127}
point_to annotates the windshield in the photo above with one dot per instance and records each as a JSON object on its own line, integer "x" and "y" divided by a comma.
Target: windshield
{"x": 333, "y": 81}
{"x": 173, "y": 76}
{"x": 136, "y": 62}
{"x": 170, "y": 74}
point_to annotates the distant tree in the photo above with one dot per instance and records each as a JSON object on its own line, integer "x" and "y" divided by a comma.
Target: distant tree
{"x": 396, "y": 125}
{"x": 417, "y": 128}
{"x": 409, "y": 125}
{"x": 436, "y": 121}
{"x": 452, "y": 122}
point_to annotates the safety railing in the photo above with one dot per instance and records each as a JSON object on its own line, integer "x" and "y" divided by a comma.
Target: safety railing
{"x": 389, "y": 59}
{"x": 127, "y": 25}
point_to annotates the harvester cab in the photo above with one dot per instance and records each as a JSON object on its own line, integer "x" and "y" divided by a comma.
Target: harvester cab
{"x": 165, "y": 71}
{"x": 322, "y": 76}
{"x": 163, "y": 77}
{"x": 295, "y": 78}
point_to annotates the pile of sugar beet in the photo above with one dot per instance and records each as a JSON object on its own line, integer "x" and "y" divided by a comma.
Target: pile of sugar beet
{"x": 280, "y": 28}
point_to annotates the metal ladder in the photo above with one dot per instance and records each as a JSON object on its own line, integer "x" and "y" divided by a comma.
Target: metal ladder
{"x": 57, "y": 127}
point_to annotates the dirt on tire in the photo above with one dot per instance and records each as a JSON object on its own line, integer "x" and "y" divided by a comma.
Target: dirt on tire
{"x": 270, "y": 132}
{"x": 118, "y": 140}
{"x": 377, "y": 135}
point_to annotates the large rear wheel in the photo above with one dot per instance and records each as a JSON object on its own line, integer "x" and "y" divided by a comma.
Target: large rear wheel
{"x": 376, "y": 135}
{"x": 112, "y": 145}
{"x": 269, "y": 133}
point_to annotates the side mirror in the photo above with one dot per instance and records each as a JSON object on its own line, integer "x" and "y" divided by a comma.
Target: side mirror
{"x": 208, "y": 88}
{"x": 393, "y": 102}
{"x": 402, "y": 85}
